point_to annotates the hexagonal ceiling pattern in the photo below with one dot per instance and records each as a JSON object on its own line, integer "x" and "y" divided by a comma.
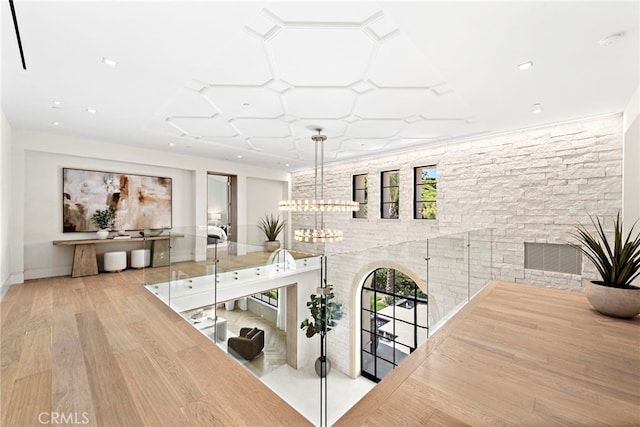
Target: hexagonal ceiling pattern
{"x": 256, "y": 79}
{"x": 356, "y": 76}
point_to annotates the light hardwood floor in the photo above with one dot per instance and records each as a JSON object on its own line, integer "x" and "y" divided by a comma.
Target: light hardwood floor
{"x": 517, "y": 355}
{"x": 103, "y": 349}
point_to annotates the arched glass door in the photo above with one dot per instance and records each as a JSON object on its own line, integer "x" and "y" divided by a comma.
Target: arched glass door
{"x": 394, "y": 321}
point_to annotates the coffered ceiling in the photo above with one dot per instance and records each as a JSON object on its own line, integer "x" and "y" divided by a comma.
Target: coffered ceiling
{"x": 249, "y": 82}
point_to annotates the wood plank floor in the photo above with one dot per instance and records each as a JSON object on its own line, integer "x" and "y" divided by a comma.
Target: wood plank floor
{"x": 104, "y": 348}
{"x": 103, "y": 351}
{"x": 517, "y": 355}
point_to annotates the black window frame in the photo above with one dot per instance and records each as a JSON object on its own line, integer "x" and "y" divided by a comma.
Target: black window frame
{"x": 384, "y": 203}
{"x": 374, "y": 287}
{"x": 417, "y": 192}
{"x": 363, "y": 213}
{"x": 265, "y": 298}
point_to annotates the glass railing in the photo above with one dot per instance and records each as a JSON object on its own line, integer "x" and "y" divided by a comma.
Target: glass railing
{"x": 190, "y": 269}
{"x": 392, "y": 297}
{"x": 395, "y": 296}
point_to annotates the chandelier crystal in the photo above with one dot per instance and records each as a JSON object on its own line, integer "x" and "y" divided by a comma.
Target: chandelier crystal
{"x": 319, "y": 205}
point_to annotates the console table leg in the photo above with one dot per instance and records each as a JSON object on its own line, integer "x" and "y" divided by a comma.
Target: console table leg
{"x": 85, "y": 261}
{"x": 160, "y": 253}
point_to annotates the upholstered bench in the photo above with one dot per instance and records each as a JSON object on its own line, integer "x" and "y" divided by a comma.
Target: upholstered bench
{"x": 140, "y": 258}
{"x": 115, "y": 261}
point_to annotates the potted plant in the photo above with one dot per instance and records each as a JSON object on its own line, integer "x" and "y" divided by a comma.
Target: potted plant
{"x": 103, "y": 219}
{"x": 319, "y": 319}
{"x": 617, "y": 262}
{"x": 271, "y": 226}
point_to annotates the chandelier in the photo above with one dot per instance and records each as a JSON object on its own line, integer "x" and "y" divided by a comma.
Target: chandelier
{"x": 318, "y": 205}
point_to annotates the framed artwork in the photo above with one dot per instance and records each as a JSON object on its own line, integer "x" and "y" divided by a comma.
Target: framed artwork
{"x": 139, "y": 201}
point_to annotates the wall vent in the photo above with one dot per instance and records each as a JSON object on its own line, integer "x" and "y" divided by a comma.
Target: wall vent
{"x": 552, "y": 257}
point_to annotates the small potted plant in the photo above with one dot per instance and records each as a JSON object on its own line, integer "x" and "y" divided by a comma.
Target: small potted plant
{"x": 617, "y": 262}
{"x": 103, "y": 219}
{"x": 271, "y": 226}
{"x": 319, "y": 319}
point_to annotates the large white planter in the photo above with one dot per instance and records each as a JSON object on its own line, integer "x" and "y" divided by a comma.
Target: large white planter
{"x": 614, "y": 302}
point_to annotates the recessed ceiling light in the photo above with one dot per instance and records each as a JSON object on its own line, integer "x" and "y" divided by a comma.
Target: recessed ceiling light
{"x": 525, "y": 65}
{"x": 610, "y": 39}
{"x": 56, "y": 102}
{"x": 56, "y": 123}
{"x": 239, "y": 156}
{"x": 537, "y": 109}
{"x": 109, "y": 62}
{"x": 171, "y": 144}
{"x": 286, "y": 164}
{"x": 91, "y": 111}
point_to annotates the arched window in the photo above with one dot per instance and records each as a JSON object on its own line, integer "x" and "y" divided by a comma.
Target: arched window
{"x": 394, "y": 321}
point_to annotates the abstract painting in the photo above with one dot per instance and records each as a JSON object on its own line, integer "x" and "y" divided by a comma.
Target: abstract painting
{"x": 139, "y": 201}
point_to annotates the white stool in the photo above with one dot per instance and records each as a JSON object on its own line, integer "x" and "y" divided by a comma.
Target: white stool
{"x": 115, "y": 261}
{"x": 140, "y": 258}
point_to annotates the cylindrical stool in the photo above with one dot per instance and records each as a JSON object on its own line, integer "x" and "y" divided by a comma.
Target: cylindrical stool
{"x": 140, "y": 258}
{"x": 115, "y": 261}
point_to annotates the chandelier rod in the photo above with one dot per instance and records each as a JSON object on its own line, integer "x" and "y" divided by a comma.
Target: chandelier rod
{"x": 321, "y": 138}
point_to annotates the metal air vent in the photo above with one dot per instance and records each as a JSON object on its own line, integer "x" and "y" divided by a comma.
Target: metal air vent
{"x": 552, "y": 257}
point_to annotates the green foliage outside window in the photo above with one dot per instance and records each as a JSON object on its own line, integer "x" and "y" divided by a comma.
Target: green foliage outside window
{"x": 273, "y": 293}
{"x": 390, "y": 200}
{"x": 426, "y": 192}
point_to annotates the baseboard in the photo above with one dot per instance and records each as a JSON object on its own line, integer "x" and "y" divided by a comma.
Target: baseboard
{"x": 5, "y": 287}
{"x": 40, "y": 273}
{"x": 16, "y": 278}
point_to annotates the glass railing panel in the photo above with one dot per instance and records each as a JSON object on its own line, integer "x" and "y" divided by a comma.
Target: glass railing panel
{"x": 384, "y": 316}
{"x": 185, "y": 276}
{"x": 480, "y": 259}
{"x": 384, "y": 292}
{"x": 448, "y": 276}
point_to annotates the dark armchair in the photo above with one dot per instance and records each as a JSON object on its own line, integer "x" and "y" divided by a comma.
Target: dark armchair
{"x": 249, "y": 344}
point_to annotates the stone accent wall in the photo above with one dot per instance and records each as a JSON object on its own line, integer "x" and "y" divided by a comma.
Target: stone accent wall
{"x": 528, "y": 186}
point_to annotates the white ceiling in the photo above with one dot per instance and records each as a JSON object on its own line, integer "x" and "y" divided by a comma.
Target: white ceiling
{"x": 223, "y": 79}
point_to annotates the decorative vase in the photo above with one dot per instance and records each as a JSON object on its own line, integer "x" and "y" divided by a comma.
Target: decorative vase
{"x": 327, "y": 366}
{"x": 271, "y": 245}
{"x": 103, "y": 234}
{"x": 615, "y": 302}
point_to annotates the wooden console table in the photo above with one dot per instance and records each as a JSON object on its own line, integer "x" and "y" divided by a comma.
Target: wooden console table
{"x": 85, "y": 261}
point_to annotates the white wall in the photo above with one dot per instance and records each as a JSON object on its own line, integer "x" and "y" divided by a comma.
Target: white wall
{"x": 5, "y": 204}
{"x": 263, "y": 197}
{"x": 533, "y": 185}
{"x": 631, "y": 168}
{"x": 36, "y": 208}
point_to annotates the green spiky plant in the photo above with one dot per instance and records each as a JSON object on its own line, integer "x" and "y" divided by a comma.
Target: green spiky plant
{"x": 618, "y": 262}
{"x": 271, "y": 226}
